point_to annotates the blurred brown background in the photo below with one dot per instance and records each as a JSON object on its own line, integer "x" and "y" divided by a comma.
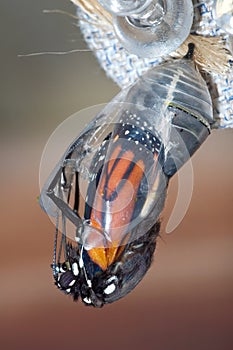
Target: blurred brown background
{"x": 186, "y": 299}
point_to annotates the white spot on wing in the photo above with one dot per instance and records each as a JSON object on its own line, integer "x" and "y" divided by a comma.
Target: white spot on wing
{"x": 110, "y": 289}
{"x": 87, "y": 300}
{"x": 89, "y": 283}
{"x": 71, "y": 283}
{"x": 75, "y": 269}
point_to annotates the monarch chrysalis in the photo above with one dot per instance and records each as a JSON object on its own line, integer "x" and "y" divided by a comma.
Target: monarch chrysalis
{"x": 111, "y": 182}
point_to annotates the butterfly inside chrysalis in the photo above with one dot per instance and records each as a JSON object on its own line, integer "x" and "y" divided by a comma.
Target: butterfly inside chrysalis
{"x": 111, "y": 182}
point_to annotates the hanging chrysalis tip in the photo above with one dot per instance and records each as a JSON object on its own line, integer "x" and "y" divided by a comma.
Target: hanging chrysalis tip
{"x": 210, "y": 55}
{"x": 190, "y": 53}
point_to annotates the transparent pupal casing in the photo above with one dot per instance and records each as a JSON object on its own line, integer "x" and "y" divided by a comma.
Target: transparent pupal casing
{"x": 111, "y": 182}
